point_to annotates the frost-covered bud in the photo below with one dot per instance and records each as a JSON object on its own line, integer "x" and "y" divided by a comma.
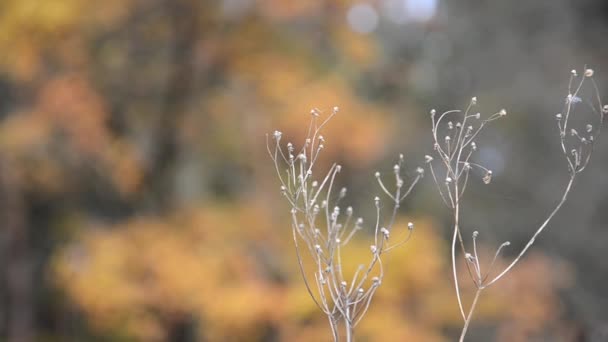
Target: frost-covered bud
{"x": 289, "y": 147}
{"x": 558, "y": 116}
{"x": 283, "y": 190}
{"x": 396, "y": 168}
{"x": 458, "y": 125}
{"x": 321, "y": 146}
{"x": 338, "y": 240}
{"x": 506, "y": 243}
{"x": 302, "y": 157}
{"x": 589, "y": 72}
{"x": 467, "y": 166}
{"x": 336, "y": 109}
{"x": 377, "y": 200}
{"x": 377, "y": 174}
{"x": 428, "y": 159}
{"x": 420, "y": 171}
{"x": 314, "y": 112}
{"x": 360, "y": 291}
{"x": 589, "y": 128}
{"x": 605, "y": 109}
{"x": 573, "y": 72}
{"x": 343, "y": 284}
{"x": 474, "y": 100}
{"x": 277, "y": 135}
{"x": 318, "y": 249}
{"x": 488, "y": 177}
{"x": 475, "y": 234}
{"x": 473, "y": 146}
{"x": 448, "y": 180}
{"x": 447, "y": 138}
{"x": 338, "y": 168}
{"x": 321, "y": 138}
{"x": 450, "y": 125}
{"x": 315, "y": 184}
{"x": 315, "y": 209}
{"x": 349, "y": 211}
{"x": 376, "y": 281}
{"x": 477, "y": 115}
{"x": 573, "y": 132}
{"x": 469, "y": 257}
{"x": 373, "y": 249}
{"x": 433, "y": 112}
{"x": 343, "y": 192}
{"x": 502, "y": 112}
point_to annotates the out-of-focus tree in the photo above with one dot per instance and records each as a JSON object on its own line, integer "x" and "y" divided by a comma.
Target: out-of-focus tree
{"x": 132, "y": 159}
{"x": 220, "y": 274}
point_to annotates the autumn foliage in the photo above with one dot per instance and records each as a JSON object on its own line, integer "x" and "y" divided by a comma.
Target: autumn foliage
{"x": 138, "y": 202}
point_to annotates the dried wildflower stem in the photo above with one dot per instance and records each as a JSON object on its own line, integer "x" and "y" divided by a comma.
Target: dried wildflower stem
{"x": 314, "y": 204}
{"x": 470, "y": 315}
{"x": 456, "y": 166}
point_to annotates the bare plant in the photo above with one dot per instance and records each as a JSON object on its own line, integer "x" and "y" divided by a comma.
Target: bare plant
{"x": 455, "y": 150}
{"x": 322, "y": 228}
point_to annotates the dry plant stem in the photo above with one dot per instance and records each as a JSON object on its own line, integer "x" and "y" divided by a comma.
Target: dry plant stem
{"x": 323, "y": 228}
{"x": 577, "y": 159}
{"x": 470, "y": 315}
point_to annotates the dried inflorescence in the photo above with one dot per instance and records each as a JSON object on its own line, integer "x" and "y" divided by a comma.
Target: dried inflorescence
{"x": 456, "y": 148}
{"x": 323, "y": 228}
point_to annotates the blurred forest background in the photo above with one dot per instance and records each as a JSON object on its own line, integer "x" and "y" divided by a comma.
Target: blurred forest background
{"x": 137, "y": 201}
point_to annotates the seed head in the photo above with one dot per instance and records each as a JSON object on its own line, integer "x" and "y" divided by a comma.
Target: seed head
{"x": 488, "y": 177}
{"x": 410, "y": 226}
{"x": 385, "y": 232}
{"x": 428, "y": 159}
{"x": 589, "y": 72}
